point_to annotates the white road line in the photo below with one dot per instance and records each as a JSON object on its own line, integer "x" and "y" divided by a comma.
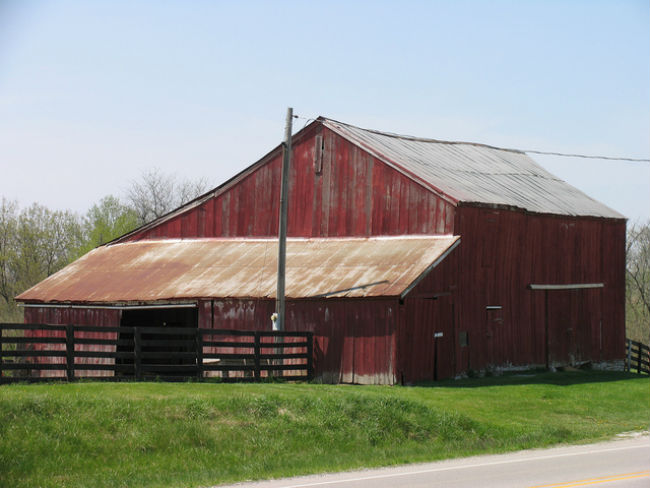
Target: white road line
{"x": 450, "y": 468}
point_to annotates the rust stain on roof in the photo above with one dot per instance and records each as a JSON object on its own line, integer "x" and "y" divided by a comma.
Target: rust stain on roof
{"x": 172, "y": 269}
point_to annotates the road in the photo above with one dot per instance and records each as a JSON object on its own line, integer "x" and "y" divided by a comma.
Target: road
{"x": 613, "y": 464}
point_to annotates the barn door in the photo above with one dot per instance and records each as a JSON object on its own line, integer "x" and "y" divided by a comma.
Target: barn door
{"x": 572, "y": 326}
{"x": 426, "y": 346}
{"x": 159, "y": 346}
{"x": 493, "y": 325}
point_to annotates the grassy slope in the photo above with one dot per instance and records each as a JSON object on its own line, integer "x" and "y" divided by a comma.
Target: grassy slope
{"x": 118, "y": 435}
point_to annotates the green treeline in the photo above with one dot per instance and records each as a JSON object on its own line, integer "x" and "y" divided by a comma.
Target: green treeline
{"x": 36, "y": 241}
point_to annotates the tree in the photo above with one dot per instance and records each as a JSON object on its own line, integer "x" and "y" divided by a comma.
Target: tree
{"x": 156, "y": 194}
{"x": 45, "y": 242}
{"x": 34, "y": 243}
{"x": 638, "y": 282}
{"x": 105, "y": 221}
{"x": 8, "y": 222}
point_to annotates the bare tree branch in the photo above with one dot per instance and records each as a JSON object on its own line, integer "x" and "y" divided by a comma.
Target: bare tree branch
{"x": 156, "y": 194}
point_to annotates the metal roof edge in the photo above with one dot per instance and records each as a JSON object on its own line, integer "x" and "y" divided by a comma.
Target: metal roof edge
{"x": 514, "y": 208}
{"x": 113, "y": 305}
{"x": 429, "y": 268}
{"x": 273, "y": 239}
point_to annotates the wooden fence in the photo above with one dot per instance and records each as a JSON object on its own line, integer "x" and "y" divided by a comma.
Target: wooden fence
{"x": 638, "y": 357}
{"x": 38, "y": 352}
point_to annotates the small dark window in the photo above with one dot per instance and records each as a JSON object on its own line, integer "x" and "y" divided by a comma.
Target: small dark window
{"x": 463, "y": 338}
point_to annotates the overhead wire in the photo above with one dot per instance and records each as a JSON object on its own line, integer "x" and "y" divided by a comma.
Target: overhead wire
{"x": 585, "y": 156}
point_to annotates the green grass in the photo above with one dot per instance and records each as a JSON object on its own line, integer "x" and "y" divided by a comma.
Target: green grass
{"x": 184, "y": 435}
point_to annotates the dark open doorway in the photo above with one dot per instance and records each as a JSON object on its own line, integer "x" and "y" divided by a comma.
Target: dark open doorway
{"x": 158, "y": 347}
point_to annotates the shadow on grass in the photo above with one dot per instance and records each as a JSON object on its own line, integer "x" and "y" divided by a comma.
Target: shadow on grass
{"x": 560, "y": 378}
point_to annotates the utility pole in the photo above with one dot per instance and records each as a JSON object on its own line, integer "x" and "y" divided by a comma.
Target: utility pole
{"x": 282, "y": 228}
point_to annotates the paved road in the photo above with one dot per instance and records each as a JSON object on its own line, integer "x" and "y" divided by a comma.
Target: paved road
{"x": 614, "y": 464}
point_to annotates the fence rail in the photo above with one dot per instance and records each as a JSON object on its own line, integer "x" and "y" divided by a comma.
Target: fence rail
{"x": 638, "y": 357}
{"x": 39, "y": 352}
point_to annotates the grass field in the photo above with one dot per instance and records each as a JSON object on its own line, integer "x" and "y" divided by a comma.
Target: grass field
{"x": 185, "y": 435}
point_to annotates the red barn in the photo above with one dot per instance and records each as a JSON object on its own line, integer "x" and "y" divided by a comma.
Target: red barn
{"x": 410, "y": 259}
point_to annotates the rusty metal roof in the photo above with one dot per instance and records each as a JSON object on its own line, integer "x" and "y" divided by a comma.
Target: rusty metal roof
{"x": 476, "y": 173}
{"x": 180, "y": 269}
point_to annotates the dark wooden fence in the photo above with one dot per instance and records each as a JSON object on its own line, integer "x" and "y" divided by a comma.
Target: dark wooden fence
{"x": 38, "y": 352}
{"x": 638, "y": 357}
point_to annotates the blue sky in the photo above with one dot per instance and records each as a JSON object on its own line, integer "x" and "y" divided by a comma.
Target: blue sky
{"x": 94, "y": 93}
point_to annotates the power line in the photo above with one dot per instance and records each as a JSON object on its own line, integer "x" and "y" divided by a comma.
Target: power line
{"x": 533, "y": 151}
{"x": 585, "y": 156}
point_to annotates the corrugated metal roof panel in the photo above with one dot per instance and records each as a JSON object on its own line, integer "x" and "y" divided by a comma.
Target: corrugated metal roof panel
{"x": 173, "y": 269}
{"x": 476, "y": 173}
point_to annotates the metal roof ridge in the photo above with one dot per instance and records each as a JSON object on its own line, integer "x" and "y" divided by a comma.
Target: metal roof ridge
{"x": 176, "y": 240}
{"x": 416, "y": 138}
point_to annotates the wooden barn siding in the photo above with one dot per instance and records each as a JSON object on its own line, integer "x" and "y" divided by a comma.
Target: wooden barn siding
{"x": 75, "y": 316}
{"x": 421, "y": 315}
{"x": 613, "y": 295}
{"x": 354, "y": 195}
{"x": 354, "y": 340}
{"x": 502, "y": 252}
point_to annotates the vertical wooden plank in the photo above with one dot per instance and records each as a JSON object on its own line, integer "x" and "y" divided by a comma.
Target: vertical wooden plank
{"x": 368, "y": 197}
{"x": 225, "y": 215}
{"x": 394, "y": 206}
{"x": 403, "y": 208}
{"x": 546, "y": 331}
{"x": 326, "y": 195}
{"x": 317, "y": 202}
{"x": 201, "y": 219}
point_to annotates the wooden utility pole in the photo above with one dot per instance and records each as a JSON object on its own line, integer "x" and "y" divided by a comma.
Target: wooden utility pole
{"x": 282, "y": 230}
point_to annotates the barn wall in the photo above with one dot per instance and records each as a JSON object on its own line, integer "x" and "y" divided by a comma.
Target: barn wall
{"x": 502, "y": 252}
{"x": 354, "y": 340}
{"x": 431, "y": 307}
{"x": 75, "y": 316}
{"x": 339, "y": 190}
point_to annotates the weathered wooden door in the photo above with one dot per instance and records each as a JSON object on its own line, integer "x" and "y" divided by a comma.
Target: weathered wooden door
{"x": 493, "y": 326}
{"x": 572, "y": 326}
{"x": 426, "y": 342}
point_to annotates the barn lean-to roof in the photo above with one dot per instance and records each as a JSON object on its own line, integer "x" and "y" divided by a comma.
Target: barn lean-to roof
{"x": 186, "y": 269}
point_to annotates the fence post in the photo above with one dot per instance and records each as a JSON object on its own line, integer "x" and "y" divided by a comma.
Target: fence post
{"x": 310, "y": 355}
{"x": 257, "y": 350}
{"x": 1, "y": 370}
{"x": 69, "y": 351}
{"x": 137, "y": 354}
{"x": 629, "y": 355}
{"x": 199, "y": 354}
